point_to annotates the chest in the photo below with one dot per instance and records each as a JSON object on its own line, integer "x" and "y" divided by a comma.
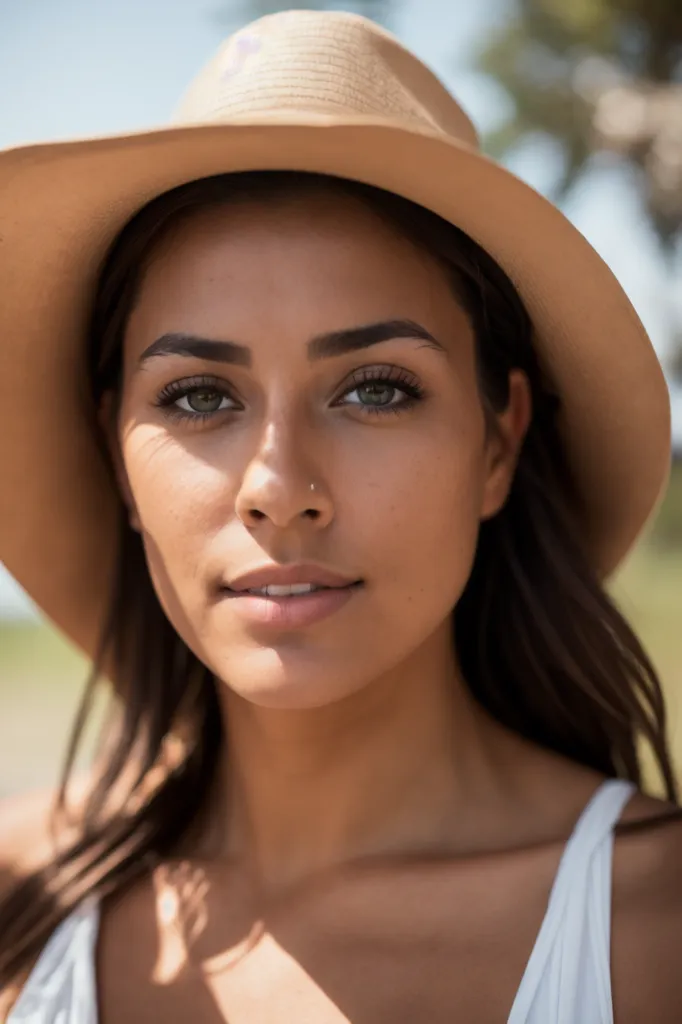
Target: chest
{"x": 436, "y": 945}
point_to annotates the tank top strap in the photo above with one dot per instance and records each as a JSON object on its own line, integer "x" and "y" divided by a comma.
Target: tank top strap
{"x": 574, "y": 905}
{"x": 61, "y": 988}
{"x": 594, "y": 825}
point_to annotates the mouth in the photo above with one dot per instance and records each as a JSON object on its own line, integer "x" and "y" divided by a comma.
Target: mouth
{"x": 273, "y": 590}
{"x": 289, "y": 606}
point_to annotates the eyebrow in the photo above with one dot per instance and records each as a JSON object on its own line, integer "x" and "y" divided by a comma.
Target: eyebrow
{"x": 323, "y": 346}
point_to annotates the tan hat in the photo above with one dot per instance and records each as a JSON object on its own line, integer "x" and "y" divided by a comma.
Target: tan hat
{"x": 310, "y": 91}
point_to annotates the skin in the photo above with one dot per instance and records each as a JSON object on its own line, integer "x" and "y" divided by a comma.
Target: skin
{"x": 377, "y": 848}
{"x": 370, "y": 700}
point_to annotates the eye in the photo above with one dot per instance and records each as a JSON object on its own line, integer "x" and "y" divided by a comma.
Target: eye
{"x": 196, "y": 398}
{"x": 384, "y": 389}
{"x": 201, "y": 401}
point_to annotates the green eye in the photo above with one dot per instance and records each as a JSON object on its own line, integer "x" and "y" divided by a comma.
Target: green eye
{"x": 195, "y": 399}
{"x": 203, "y": 402}
{"x": 381, "y": 389}
{"x": 377, "y": 393}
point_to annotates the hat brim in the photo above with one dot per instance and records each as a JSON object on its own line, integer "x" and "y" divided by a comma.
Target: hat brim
{"x": 61, "y": 205}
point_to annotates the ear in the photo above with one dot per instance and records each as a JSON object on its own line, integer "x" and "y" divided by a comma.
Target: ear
{"x": 106, "y": 415}
{"x": 503, "y": 446}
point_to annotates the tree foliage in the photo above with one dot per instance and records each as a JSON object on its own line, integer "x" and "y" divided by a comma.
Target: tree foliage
{"x": 597, "y": 76}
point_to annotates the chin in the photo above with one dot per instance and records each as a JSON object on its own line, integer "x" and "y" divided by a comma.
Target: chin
{"x": 286, "y": 694}
{"x": 271, "y": 678}
{"x": 288, "y": 698}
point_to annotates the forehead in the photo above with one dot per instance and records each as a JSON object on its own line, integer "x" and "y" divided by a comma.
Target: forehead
{"x": 322, "y": 260}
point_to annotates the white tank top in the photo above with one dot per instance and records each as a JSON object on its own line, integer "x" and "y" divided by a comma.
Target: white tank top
{"x": 567, "y": 978}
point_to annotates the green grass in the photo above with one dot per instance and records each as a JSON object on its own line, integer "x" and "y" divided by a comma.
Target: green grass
{"x": 42, "y": 678}
{"x": 27, "y": 645}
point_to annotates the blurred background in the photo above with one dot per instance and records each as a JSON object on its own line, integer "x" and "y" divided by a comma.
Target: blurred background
{"x": 581, "y": 98}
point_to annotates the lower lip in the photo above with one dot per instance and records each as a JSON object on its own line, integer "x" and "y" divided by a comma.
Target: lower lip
{"x": 291, "y": 612}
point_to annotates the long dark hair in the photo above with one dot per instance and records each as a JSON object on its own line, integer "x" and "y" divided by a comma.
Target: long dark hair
{"x": 542, "y": 646}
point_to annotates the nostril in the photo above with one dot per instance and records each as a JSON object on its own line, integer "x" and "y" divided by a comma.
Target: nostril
{"x": 256, "y": 515}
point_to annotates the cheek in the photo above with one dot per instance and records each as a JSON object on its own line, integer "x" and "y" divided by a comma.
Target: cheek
{"x": 415, "y": 511}
{"x": 180, "y": 499}
{"x": 406, "y": 516}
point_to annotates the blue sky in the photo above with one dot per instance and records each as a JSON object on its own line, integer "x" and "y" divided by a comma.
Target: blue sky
{"x": 92, "y": 67}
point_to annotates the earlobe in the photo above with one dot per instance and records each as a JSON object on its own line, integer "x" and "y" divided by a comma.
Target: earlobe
{"x": 498, "y": 484}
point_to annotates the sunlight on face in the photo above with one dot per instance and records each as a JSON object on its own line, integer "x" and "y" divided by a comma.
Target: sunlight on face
{"x": 392, "y": 435}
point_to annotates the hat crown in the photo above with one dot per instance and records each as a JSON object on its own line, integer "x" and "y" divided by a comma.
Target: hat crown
{"x": 321, "y": 63}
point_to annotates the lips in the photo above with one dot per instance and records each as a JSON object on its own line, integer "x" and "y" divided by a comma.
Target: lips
{"x": 296, "y": 611}
{"x": 284, "y": 575}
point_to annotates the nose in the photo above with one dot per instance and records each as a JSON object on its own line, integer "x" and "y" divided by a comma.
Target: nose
{"x": 265, "y": 496}
{"x": 278, "y": 489}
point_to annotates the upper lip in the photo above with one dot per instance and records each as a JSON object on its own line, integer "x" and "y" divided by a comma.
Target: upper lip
{"x": 280, "y": 575}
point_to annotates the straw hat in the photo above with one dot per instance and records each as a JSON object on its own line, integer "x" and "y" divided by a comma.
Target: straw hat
{"x": 311, "y": 91}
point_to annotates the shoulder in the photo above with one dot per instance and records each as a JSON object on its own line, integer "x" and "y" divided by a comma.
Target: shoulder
{"x": 24, "y": 833}
{"x": 648, "y": 847}
{"x": 647, "y": 911}
{"x": 26, "y": 846}
{"x": 25, "y": 829}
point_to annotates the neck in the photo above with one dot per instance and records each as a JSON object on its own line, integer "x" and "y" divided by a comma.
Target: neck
{"x": 393, "y": 769}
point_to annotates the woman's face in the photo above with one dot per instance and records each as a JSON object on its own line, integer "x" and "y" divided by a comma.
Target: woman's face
{"x": 256, "y": 307}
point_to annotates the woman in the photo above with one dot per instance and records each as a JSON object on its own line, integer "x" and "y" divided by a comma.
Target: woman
{"x": 331, "y": 502}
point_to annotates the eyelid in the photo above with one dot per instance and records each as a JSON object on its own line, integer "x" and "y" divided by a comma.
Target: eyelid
{"x": 404, "y": 380}
{"x": 390, "y": 373}
{"x": 175, "y": 388}
{"x": 359, "y": 374}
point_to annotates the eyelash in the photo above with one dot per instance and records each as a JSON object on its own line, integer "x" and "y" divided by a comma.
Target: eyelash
{"x": 400, "y": 379}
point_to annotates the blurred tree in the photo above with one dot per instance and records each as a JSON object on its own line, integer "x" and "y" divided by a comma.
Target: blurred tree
{"x": 595, "y": 75}
{"x": 598, "y": 76}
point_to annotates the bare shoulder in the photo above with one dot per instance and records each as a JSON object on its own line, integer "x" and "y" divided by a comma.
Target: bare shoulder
{"x": 648, "y": 842}
{"x": 647, "y": 858}
{"x": 24, "y": 846}
{"x": 24, "y": 833}
{"x": 647, "y": 912}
